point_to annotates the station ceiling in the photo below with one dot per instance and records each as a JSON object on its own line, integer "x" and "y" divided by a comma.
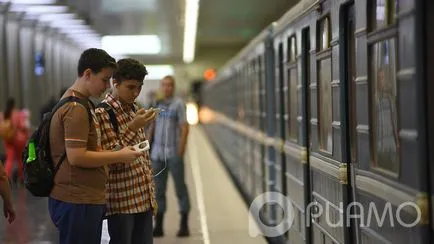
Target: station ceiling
{"x": 221, "y": 23}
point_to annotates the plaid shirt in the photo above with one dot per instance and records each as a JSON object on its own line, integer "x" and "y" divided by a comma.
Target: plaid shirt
{"x": 130, "y": 187}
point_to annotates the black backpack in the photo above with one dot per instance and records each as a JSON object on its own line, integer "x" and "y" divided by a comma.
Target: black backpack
{"x": 39, "y": 170}
{"x": 112, "y": 115}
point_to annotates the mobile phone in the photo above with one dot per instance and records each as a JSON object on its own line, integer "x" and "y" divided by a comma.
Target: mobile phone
{"x": 142, "y": 146}
{"x": 157, "y": 110}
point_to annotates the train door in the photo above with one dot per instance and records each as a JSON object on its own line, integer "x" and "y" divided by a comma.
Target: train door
{"x": 301, "y": 221}
{"x": 429, "y": 83}
{"x": 390, "y": 167}
{"x": 262, "y": 182}
{"x": 251, "y": 122}
{"x": 280, "y": 121}
{"x": 328, "y": 170}
{"x": 348, "y": 94}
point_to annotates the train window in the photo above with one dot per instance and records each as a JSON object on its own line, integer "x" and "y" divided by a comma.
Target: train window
{"x": 392, "y": 10}
{"x": 383, "y": 13}
{"x": 262, "y": 99}
{"x": 324, "y": 65}
{"x": 380, "y": 14}
{"x": 253, "y": 97}
{"x": 292, "y": 50}
{"x": 293, "y": 111}
{"x": 325, "y": 105}
{"x": 291, "y": 96}
{"x": 247, "y": 96}
{"x": 324, "y": 34}
{"x": 384, "y": 110}
{"x": 257, "y": 95}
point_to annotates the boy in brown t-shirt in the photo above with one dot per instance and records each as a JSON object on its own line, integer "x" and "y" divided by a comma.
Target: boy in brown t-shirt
{"x": 77, "y": 201}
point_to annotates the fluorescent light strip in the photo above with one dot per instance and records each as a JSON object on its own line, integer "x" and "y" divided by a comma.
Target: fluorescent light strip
{"x": 85, "y": 37}
{"x": 38, "y": 9}
{"x": 74, "y": 27}
{"x": 47, "y": 17}
{"x": 33, "y": 1}
{"x": 141, "y": 44}
{"x": 190, "y": 29}
{"x": 89, "y": 44}
{"x": 79, "y": 37}
{"x": 78, "y": 31}
{"x": 157, "y": 72}
{"x": 68, "y": 23}
{"x": 55, "y": 17}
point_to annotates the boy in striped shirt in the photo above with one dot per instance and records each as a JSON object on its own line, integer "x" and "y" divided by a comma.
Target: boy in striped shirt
{"x": 130, "y": 188}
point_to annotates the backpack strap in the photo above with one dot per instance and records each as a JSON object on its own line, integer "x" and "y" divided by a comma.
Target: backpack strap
{"x": 69, "y": 99}
{"x": 112, "y": 115}
{"x": 85, "y": 103}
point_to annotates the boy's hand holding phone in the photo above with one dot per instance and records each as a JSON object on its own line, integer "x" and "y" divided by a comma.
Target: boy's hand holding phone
{"x": 143, "y": 118}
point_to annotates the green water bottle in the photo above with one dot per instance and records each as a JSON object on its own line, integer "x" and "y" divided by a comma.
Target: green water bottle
{"x": 32, "y": 152}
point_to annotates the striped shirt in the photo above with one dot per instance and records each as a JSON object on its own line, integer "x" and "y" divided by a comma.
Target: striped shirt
{"x": 130, "y": 187}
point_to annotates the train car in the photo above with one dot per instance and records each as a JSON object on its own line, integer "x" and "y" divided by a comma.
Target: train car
{"x": 337, "y": 120}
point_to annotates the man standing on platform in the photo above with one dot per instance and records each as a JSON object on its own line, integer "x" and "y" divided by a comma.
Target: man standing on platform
{"x": 169, "y": 133}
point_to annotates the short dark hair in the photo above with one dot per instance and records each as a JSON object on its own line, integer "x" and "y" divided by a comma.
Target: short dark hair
{"x": 130, "y": 69}
{"x": 96, "y": 60}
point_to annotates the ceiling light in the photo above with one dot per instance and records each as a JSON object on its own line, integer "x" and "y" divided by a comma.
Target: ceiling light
{"x": 84, "y": 35}
{"x": 47, "y": 17}
{"x": 55, "y": 17}
{"x": 33, "y": 1}
{"x": 78, "y": 31}
{"x": 157, "y": 72}
{"x": 190, "y": 29}
{"x": 68, "y": 23}
{"x": 73, "y": 28}
{"x": 123, "y": 6}
{"x": 38, "y": 9}
{"x": 144, "y": 44}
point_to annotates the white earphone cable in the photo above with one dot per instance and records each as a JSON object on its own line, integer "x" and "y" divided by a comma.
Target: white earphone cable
{"x": 164, "y": 149}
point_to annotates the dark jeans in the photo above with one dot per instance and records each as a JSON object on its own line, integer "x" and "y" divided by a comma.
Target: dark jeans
{"x": 130, "y": 228}
{"x": 176, "y": 167}
{"x": 77, "y": 223}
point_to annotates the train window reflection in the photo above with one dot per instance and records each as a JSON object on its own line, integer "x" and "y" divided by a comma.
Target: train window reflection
{"x": 292, "y": 50}
{"x": 324, "y": 34}
{"x": 293, "y": 111}
{"x": 325, "y": 105}
{"x": 383, "y": 13}
{"x": 384, "y": 119}
{"x": 380, "y": 14}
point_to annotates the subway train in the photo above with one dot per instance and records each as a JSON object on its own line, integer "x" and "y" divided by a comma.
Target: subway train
{"x": 329, "y": 106}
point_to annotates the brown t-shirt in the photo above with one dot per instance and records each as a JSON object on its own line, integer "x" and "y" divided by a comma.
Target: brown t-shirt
{"x": 70, "y": 128}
